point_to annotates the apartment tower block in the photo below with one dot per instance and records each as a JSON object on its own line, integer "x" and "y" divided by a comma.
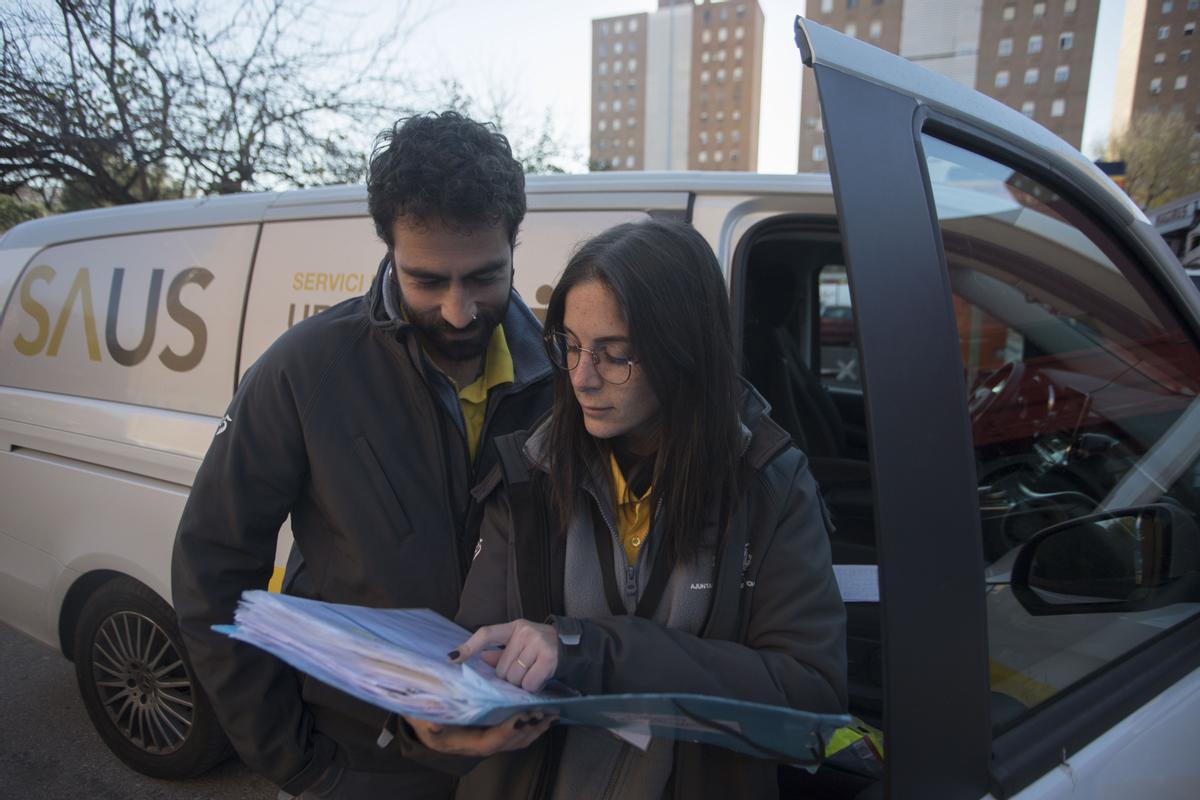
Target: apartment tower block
{"x": 677, "y": 88}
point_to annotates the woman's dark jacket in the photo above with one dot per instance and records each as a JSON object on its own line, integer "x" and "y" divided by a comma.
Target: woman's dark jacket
{"x": 775, "y": 631}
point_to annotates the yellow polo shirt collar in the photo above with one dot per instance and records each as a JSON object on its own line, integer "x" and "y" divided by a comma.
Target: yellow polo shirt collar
{"x": 633, "y": 513}
{"x": 472, "y": 398}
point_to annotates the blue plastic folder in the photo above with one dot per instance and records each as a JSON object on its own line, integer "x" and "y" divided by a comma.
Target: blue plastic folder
{"x": 396, "y": 659}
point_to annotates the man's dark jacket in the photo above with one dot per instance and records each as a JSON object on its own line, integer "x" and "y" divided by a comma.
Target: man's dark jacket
{"x": 345, "y": 425}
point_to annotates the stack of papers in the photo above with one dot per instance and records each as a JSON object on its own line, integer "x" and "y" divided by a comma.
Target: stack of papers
{"x": 396, "y": 659}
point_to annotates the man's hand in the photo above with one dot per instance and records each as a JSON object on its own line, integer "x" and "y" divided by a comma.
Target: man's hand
{"x": 515, "y": 733}
{"x": 529, "y": 656}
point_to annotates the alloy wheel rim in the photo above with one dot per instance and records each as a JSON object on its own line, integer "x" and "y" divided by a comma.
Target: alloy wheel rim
{"x": 143, "y": 682}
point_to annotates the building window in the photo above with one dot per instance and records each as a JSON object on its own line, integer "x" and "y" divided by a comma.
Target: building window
{"x": 876, "y": 29}
{"x": 617, "y": 106}
{"x": 1181, "y": 82}
{"x": 1039, "y": 10}
{"x": 702, "y": 137}
{"x": 719, "y": 137}
{"x": 704, "y": 116}
{"x": 631, "y": 65}
{"x": 741, "y": 10}
{"x": 631, "y": 103}
{"x": 617, "y": 48}
{"x": 721, "y": 54}
{"x": 1002, "y": 79}
{"x": 733, "y": 155}
{"x": 720, "y": 115}
{"x": 1189, "y": 29}
{"x": 724, "y": 14}
{"x": 629, "y": 142}
{"x": 1160, "y": 58}
{"x": 1168, "y": 6}
{"x": 603, "y": 68}
{"x": 633, "y": 26}
{"x": 738, "y": 52}
{"x": 618, "y": 27}
{"x": 632, "y": 84}
{"x": 629, "y": 162}
{"x": 704, "y": 76}
{"x": 1066, "y": 40}
{"x": 1062, "y": 73}
{"x": 851, "y": 3}
{"x": 1009, "y": 13}
{"x": 739, "y": 33}
{"x": 718, "y": 156}
{"x": 1004, "y": 48}
{"x": 604, "y": 29}
{"x": 1035, "y": 43}
{"x": 818, "y": 152}
{"x": 1155, "y": 85}
{"x": 722, "y": 34}
{"x": 616, "y": 124}
{"x": 616, "y": 162}
{"x": 1028, "y": 107}
{"x": 704, "y": 56}
{"x": 735, "y": 136}
{"x": 618, "y": 66}
{"x": 1193, "y": 5}
{"x": 736, "y": 115}
{"x": 737, "y": 73}
{"x": 1058, "y": 107}
{"x": 826, "y": 6}
{"x": 602, "y": 49}
{"x": 720, "y": 76}
{"x": 1031, "y": 76}
{"x": 1068, "y": 6}
{"x": 1164, "y": 32}
{"x": 851, "y": 29}
{"x": 706, "y": 36}
{"x": 632, "y": 47}
{"x": 603, "y": 106}
{"x": 601, "y": 144}
{"x": 1185, "y": 55}
{"x": 702, "y": 156}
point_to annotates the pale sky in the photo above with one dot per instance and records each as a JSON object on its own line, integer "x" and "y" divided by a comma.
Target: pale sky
{"x": 539, "y": 53}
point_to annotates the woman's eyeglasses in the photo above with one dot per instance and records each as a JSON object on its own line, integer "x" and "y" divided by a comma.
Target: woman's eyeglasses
{"x": 612, "y": 364}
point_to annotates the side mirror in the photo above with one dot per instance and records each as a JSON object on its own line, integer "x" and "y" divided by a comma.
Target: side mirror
{"x": 1131, "y": 559}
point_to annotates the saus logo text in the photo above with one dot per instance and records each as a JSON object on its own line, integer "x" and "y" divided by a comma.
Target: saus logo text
{"x": 54, "y": 323}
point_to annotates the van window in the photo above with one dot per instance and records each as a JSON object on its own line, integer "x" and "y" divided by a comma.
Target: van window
{"x": 1082, "y": 391}
{"x": 150, "y": 319}
{"x": 306, "y": 266}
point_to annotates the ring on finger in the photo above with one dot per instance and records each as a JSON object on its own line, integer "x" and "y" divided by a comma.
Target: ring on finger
{"x": 522, "y": 664}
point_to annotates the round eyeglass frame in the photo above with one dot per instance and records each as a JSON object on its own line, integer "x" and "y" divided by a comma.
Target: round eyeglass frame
{"x": 594, "y": 353}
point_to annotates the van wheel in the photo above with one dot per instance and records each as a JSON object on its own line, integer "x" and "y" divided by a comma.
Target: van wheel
{"x": 138, "y": 686}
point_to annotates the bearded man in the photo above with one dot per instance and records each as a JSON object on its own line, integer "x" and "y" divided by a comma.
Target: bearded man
{"x": 368, "y": 424}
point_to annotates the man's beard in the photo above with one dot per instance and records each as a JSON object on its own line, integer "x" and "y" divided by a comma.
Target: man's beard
{"x": 470, "y": 342}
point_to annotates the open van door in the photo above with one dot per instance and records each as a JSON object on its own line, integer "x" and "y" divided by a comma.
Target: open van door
{"x": 1030, "y": 371}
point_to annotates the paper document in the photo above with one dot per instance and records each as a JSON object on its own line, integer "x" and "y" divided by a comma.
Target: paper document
{"x": 858, "y": 583}
{"x": 396, "y": 659}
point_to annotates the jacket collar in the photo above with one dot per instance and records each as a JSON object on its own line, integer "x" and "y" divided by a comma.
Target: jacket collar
{"x": 522, "y": 329}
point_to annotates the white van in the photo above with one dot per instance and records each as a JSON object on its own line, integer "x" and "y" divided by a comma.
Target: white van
{"x": 990, "y": 357}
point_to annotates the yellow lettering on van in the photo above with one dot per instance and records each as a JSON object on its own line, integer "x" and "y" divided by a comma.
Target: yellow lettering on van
{"x": 310, "y": 281}
{"x": 82, "y": 289}
{"x": 31, "y": 347}
{"x": 297, "y": 281}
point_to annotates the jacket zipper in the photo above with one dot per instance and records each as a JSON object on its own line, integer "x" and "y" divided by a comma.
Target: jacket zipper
{"x": 631, "y": 570}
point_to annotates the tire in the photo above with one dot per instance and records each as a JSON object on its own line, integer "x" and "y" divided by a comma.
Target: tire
{"x": 138, "y": 685}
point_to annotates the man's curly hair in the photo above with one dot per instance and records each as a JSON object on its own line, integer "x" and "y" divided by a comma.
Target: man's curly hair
{"x": 445, "y": 168}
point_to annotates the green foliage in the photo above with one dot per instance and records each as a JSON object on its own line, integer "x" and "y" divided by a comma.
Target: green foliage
{"x": 14, "y": 210}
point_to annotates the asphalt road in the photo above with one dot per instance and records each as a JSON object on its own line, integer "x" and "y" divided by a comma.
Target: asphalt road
{"x": 48, "y": 748}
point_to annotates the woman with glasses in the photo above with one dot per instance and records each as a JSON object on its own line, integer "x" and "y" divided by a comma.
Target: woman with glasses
{"x": 657, "y": 532}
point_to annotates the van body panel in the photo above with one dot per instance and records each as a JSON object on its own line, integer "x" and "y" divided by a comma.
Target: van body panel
{"x": 11, "y": 263}
{"x": 150, "y": 319}
{"x": 725, "y": 219}
{"x": 27, "y": 578}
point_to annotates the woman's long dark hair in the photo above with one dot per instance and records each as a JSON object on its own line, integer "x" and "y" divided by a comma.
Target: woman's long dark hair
{"x": 669, "y": 289}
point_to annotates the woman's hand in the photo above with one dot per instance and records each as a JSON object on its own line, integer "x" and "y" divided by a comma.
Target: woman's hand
{"x": 529, "y": 657}
{"x": 515, "y": 733}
